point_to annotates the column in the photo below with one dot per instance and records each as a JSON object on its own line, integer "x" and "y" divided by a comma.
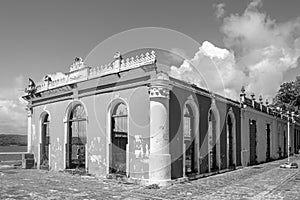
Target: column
{"x": 29, "y": 132}
{"x": 159, "y": 158}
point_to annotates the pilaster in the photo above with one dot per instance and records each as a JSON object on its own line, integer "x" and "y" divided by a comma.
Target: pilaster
{"x": 159, "y": 158}
{"x": 29, "y": 132}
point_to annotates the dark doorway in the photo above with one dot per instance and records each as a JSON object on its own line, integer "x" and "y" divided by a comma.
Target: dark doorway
{"x": 298, "y": 141}
{"x": 284, "y": 145}
{"x": 230, "y": 142}
{"x": 119, "y": 139}
{"x": 213, "y": 142}
{"x": 295, "y": 140}
{"x": 76, "y": 140}
{"x": 45, "y": 141}
{"x": 189, "y": 141}
{"x": 253, "y": 142}
{"x": 268, "y": 153}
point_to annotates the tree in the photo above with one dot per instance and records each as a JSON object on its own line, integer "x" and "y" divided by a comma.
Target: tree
{"x": 288, "y": 96}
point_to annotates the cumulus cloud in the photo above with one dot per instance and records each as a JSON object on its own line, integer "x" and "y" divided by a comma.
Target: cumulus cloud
{"x": 12, "y": 110}
{"x": 258, "y": 52}
{"x": 212, "y": 68}
{"x": 264, "y": 49}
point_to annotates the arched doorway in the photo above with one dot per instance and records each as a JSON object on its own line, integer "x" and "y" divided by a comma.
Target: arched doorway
{"x": 279, "y": 141}
{"x": 212, "y": 142}
{"x": 231, "y": 141}
{"x": 45, "y": 141}
{"x": 268, "y": 145}
{"x": 189, "y": 140}
{"x": 119, "y": 139}
{"x": 76, "y": 138}
{"x": 285, "y": 145}
{"x": 253, "y": 142}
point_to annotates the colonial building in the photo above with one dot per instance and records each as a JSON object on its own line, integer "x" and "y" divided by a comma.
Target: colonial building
{"x": 131, "y": 118}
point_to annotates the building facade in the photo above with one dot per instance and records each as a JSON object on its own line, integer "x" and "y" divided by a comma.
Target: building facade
{"x": 130, "y": 118}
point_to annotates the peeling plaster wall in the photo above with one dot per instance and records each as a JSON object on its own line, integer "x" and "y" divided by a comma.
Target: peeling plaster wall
{"x": 56, "y": 128}
{"x": 35, "y": 138}
{"x": 138, "y": 131}
{"x": 97, "y": 138}
{"x": 96, "y": 96}
{"x": 139, "y": 123}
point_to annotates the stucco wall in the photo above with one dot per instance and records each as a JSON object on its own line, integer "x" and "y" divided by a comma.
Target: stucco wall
{"x": 178, "y": 97}
{"x": 296, "y": 140}
{"x": 176, "y": 133}
{"x": 277, "y": 127}
{"x": 237, "y": 112}
{"x": 282, "y": 132}
{"x": 57, "y": 113}
{"x": 224, "y": 109}
{"x": 204, "y": 104}
{"x": 137, "y": 100}
{"x": 97, "y": 107}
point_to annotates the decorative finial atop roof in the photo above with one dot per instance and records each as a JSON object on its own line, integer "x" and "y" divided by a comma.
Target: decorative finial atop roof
{"x": 31, "y": 89}
{"x": 243, "y": 89}
{"x": 260, "y": 99}
{"x": 252, "y": 96}
{"x": 78, "y": 59}
{"x": 77, "y": 64}
{"x": 47, "y": 78}
{"x": 118, "y": 56}
{"x": 242, "y": 94}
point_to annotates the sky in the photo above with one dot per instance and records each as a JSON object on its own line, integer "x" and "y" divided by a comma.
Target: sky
{"x": 251, "y": 43}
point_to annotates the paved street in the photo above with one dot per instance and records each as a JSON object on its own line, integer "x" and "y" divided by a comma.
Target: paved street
{"x": 265, "y": 181}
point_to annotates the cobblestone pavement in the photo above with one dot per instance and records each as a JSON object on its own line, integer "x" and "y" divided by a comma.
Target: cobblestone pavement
{"x": 265, "y": 181}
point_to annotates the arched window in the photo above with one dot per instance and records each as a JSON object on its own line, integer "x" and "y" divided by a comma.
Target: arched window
{"x": 253, "y": 142}
{"x": 188, "y": 118}
{"x": 212, "y": 142}
{"x": 231, "y": 140}
{"x": 45, "y": 141}
{"x": 119, "y": 138}
{"x": 189, "y": 140}
{"x": 76, "y": 138}
{"x": 119, "y": 116}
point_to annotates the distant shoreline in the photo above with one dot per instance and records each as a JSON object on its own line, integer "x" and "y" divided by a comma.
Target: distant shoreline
{"x": 13, "y": 140}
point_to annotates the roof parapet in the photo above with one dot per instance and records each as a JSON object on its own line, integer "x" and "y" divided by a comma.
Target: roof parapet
{"x": 259, "y": 106}
{"x": 79, "y": 71}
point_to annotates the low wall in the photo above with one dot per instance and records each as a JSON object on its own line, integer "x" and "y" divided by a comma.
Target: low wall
{"x": 11, "y": 156}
